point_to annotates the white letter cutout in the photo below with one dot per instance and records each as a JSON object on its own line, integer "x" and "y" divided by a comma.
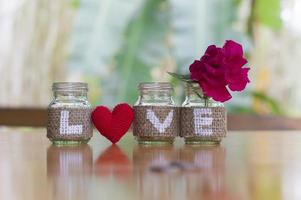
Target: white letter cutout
{"x": 67, "y": 129}
{"x": 150, "y": 115}
{"x": 200, "y": 121}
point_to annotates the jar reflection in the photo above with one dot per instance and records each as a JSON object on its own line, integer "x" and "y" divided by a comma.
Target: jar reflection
{"x": 68, "y": 171}
{"x": 152, "y": 184}
{"x": 208, "y": 181}
{"x": 146, "y": 156}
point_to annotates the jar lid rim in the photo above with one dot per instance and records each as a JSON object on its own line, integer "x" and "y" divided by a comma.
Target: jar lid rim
{"x": 69, "y": 86}
{"x": 155, "y": 86}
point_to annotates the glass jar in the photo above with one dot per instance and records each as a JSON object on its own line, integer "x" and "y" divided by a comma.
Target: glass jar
{"x": 69, "y": 114}
{"x": 203, "y": 120}
{"x": 156, "y": 116}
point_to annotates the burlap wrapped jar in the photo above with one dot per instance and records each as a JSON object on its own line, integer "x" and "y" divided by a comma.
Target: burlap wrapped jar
{"x": 69, "y": 114}
{"x": 203, "y": 121}
{"x": 156, "y": 116}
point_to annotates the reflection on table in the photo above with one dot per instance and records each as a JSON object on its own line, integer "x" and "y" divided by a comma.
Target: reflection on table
{"x": 113, "y": 162}
{"x": 68, "y": 170}
{"x": 256, "y": 165}
{"x": 190, "y": 172}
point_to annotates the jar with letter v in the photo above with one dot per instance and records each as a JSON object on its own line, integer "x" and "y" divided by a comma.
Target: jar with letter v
{"x": 203, "y": 121}
{"x": 156, "y": 116}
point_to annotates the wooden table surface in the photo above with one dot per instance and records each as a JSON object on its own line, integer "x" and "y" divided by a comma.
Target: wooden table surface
{"x": 247, "y": 165}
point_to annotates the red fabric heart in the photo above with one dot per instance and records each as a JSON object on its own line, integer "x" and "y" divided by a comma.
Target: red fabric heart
{"x": 113, "y": 125}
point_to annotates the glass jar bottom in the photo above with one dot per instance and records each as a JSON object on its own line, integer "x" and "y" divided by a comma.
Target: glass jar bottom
{"x": 57, "y": 142}
{"x": 155, "y": 140}
{"x": 202, "y": 141}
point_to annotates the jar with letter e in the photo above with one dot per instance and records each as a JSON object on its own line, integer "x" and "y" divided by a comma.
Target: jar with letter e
{"x": 203, "y": 121}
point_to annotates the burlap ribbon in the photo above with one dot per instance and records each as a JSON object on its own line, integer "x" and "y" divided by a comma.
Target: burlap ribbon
{"x": 77, "y": 123}
{"x": 156, "y": 121}
{"x": 205, "y": 122}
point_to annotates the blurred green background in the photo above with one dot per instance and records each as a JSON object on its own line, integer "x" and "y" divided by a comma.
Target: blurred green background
{"x": 115, "y": 44}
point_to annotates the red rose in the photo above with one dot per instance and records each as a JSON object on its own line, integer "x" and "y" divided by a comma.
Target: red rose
{"x": 221, "y": 69}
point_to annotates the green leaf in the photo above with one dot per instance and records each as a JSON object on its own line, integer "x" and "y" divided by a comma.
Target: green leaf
{"x": 272, "y": 103}
{"x": 185, "y": 78}
{"x": 200, "y": 95}
{"x": 237, "y": 2}
{"x": 144, "y": 48}
{"x": 268, "y": 12}
{"x": 240, "y": 109}
{"x": 75, "y": 4}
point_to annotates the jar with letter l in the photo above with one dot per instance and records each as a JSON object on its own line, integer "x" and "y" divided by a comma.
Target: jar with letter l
{"x": 69, "y": 114}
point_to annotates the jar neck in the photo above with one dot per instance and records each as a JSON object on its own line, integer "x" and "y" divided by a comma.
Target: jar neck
{"x": 70, "y": 95}
{"x": 155, "y": 98}
{"x": 195, "y": 97}
{"x": 195, "y": 93}
{"x": 191, "y": 94}
{"x": 158, "y": 94}
{"x": 70, "y": 91}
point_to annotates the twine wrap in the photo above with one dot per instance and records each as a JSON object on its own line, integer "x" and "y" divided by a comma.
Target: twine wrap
{"x": 204, "y": 122}
{"x": 156, "y": 121}
{"x": 69, "y": 124}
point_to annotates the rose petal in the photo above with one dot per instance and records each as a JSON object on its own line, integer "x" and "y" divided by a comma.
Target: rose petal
{"x": 213, "y": 56}
{"x": 214, "y": 75}
{"x": 236, "y": 62}
{"x": 239, "y": 82}
{"x": 195, "y": 66}
{"x": 232, "y": 49}
{"x": 196, "y": 69}
{"x": 218, "y": 93}
{"x": 211, "y": 50}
